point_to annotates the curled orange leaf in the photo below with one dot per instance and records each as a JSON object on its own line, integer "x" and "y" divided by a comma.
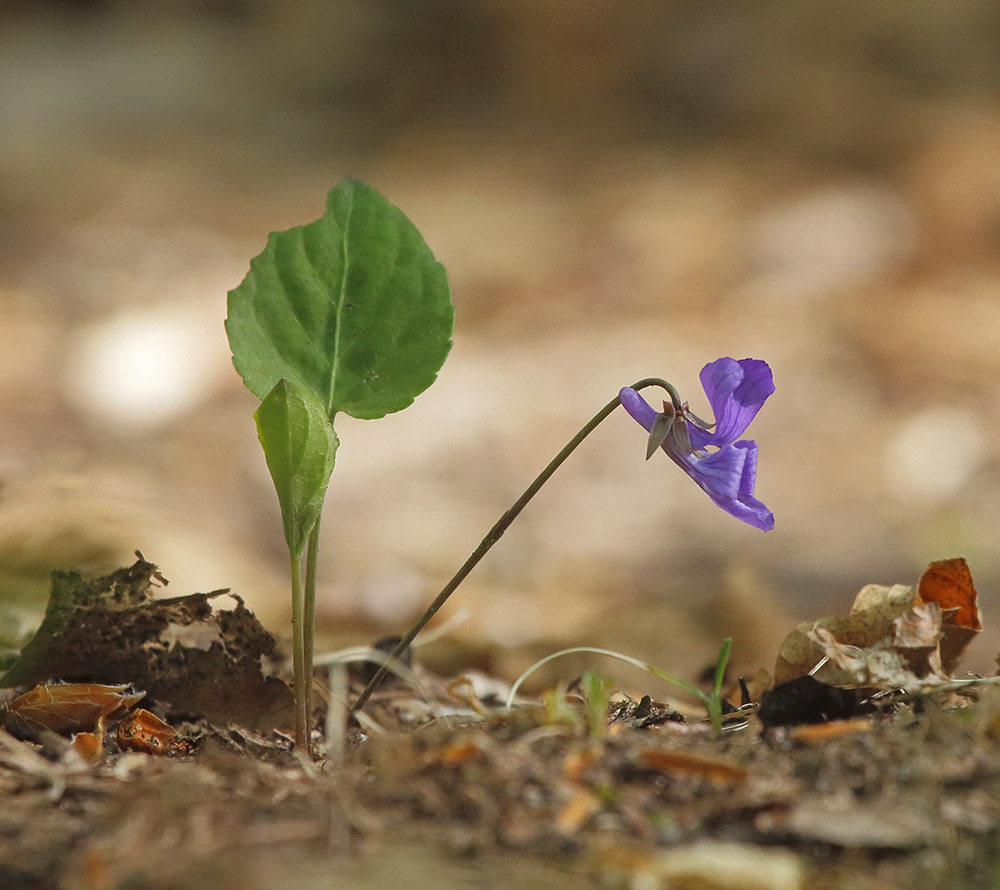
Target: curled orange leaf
{"x": 67, "y": 708}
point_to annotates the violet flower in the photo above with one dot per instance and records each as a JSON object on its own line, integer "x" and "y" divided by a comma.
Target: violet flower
{"x": 726, "y": 469}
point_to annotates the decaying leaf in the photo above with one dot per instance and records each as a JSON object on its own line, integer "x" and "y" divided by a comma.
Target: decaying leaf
{"x": 720, "y": 770}
{"x": 88, "y": 746}
{"x": 578, "y": 810}
{"x": 919, "y": 628}
{"x": 948, "y": 582}
{"x": 870, "y": 619}
{"x": 143, "y": 731}
{"x": 835, "y": 729}
{"x": 67, "y": 708}
{"x": 459, "y": 752}
{"x": 892, "y": 637}
{"x": 185, "y": 651}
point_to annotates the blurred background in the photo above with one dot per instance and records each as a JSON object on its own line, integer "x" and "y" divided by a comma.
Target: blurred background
{"x": 617, "y": 191}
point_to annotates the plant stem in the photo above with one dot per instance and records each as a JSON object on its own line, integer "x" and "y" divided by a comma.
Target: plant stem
{"x": 502, "y": 524}
{"x": 301, "y": 684}
{"x": 309, "y": 612}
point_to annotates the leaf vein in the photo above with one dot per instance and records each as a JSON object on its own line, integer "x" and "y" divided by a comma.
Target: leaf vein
{"x": 339, "y": 304}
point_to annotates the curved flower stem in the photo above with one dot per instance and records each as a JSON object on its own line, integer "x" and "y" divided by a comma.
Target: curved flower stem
{"x": 502, "y": 524}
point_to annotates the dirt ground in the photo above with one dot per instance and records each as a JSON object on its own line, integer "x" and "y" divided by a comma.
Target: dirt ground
{"x": 900, "y": 800}
{"x": 459, "y": 782}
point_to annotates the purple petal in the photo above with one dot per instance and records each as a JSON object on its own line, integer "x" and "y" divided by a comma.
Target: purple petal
{"x": 749, "y": 478}
{"x": 749, "y": 510}
{"x": 736, "y": 391}
{"x": 728, "y": 476}
{"x": 746, "y": 506}
{"x": 700, "y": 438}
{"x": 638, "y": 408}
{"x": 719, "y": 473}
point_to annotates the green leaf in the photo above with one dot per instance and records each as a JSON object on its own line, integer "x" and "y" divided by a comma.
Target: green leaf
{"x": 300, "y": 447}
{"x": 352, "y": 307}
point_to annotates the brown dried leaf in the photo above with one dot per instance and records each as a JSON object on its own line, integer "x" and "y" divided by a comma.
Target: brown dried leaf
{"x": 459, "y": 752}
{"x": 850, "y": 660}
{"x": 893, "y": 636}
{"x": 143, "y": 731}
{"x": 580, "y": 807}
{"x": 88, "y": 746}
{"x": 920, "y": 628}
{"x": 948, "y": 582}
{"x": 874, "y": 610}
{"x": 883, "y": 665}
{"x": 820, "y": 732}
{"x": 715, "y": 769}
{"x": 871, "y": 619}
{"x": 67, "y": 708}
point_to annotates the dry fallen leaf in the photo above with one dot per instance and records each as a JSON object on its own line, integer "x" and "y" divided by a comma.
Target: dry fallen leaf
{"x": 580, "y": 807}
{"x": 88, "y": 746}
{"x": 920, "y": 628}
{"x": 143, "y": 731}
{"x": 948, "y": 583}
{"x": 67, "y": 708}
{"x": 870, "y": 620}
{"x": 820, "y": 732}
{"x": 716, "y": 769}
{"x": 459, "y": 752}
{"x": 892, "y": 637}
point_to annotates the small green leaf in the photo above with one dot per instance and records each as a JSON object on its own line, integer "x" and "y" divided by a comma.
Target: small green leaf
{"x": 353, "y": 307}
{"x": 300, "y": 447}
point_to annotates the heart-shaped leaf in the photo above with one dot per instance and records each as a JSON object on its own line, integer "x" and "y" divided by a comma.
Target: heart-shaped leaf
{"x": 352, "y": 307}
{"x": 300, "y": 446}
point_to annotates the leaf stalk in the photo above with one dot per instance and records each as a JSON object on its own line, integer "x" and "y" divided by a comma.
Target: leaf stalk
{"x": 302, "y": 679}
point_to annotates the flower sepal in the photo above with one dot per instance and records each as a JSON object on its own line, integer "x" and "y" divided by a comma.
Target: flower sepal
{"x": 660, "y": 429}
